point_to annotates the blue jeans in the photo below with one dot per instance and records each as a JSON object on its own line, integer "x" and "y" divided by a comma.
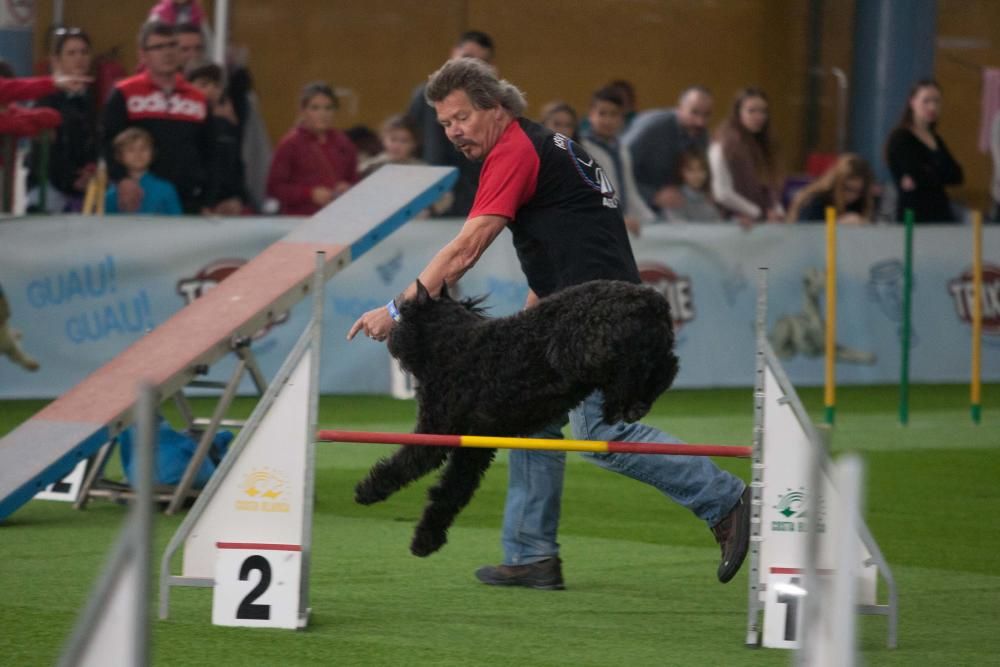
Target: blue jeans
{"x": 534, "y": 491}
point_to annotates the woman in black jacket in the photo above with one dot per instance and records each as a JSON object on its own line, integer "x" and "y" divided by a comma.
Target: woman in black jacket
{"x": 73, "y": 151}
{"x": 920, "y": 163}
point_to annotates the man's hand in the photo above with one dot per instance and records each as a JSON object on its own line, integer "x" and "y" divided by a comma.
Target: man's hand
{"x": 668, "y": 196}
{"x": 71, "y": 83}
{"x": 129, "y": 195}
{"x": 83, "y": 176}
{"x": 321, "y": 196}
{"x": 851, "y": 218}
{"x": 375, "y": 323}
{"x": 232, "y": 207}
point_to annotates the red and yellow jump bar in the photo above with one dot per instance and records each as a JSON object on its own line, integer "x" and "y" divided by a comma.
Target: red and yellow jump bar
{"x": 491, "y": 442}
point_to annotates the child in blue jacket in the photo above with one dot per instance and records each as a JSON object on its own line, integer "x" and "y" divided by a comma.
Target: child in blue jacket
{"x": 140, "y": 191}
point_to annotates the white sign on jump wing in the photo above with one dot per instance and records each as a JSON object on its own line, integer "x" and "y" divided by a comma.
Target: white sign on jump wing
{"x": 260, "y": 499}
{"x": 786, "y": 502}
{"x": 68, "y": 488}
{"x": 257, "y": 585}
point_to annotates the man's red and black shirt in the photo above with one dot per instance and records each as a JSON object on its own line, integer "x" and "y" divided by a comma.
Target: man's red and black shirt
{"x": 178, "y": 121}
{"x": 564, "y": 216}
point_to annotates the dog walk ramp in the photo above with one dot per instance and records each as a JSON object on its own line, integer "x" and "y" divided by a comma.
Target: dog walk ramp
{"x": 74, "y": 426}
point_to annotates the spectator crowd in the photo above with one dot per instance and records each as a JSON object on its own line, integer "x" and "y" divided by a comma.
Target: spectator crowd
{"x": 184, "y": 135}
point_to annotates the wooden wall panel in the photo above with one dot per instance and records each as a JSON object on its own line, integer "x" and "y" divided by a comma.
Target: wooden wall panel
{"x": 968, "y": 38}
{"x": 109, "y": 23}
{"x": 380, "y": 50}
{"x": 565, "y": 49}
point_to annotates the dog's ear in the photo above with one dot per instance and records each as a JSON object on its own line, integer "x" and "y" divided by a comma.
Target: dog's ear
{"x": 423, "y": 296}
{"x": 444, "y": 292}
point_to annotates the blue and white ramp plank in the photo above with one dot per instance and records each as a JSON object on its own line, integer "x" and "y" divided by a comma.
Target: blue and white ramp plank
{"x": 73, "y": 427}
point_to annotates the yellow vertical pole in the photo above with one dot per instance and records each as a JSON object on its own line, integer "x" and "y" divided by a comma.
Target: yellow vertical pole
{"x": 102, "y": 187}
{"x": 975, "y": 386}
{"x": 830, "y": 378}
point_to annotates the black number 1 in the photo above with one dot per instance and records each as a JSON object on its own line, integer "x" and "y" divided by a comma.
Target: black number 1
{"x": 791, "y": 612}
{"x": 247, "y": 609}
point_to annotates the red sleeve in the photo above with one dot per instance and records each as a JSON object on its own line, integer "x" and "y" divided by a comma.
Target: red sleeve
{"x": 28, "y": 122}
{"x": 15, "y": 124}
{"x": 28, "y": 88}
{"x": 509, "y": 175}
{"x": 45, "y": 118}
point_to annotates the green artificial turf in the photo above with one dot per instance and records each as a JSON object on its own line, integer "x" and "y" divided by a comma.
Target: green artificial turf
{"x": 640, "y": 571}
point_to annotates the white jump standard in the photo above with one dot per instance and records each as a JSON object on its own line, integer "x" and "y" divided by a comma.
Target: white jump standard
{"x": 790, "y": 469}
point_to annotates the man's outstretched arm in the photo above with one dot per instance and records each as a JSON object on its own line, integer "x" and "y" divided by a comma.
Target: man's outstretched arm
{"x": 448, "y": 265}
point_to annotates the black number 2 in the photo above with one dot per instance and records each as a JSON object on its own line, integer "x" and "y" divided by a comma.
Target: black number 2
{"x": 247, "y": 609}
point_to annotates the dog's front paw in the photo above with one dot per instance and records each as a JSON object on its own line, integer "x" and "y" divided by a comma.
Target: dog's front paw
{"x": 612, "y": 413}
{"x": 424, "y": 543}
{"x": 366, "y": 493}
{"x": 635, "y": 412}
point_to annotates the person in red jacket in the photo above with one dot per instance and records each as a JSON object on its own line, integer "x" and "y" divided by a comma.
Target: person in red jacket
{"x": 314, "y": 163}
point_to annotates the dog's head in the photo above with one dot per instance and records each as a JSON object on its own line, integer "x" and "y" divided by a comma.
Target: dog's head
{"x": 425, "y": 321}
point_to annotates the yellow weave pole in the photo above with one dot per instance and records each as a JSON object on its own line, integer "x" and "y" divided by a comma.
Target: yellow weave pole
{"x": 830, "y": 375}
{"x": 102, "y": 186}
{"x": 90, "y": 197}
{"x": 975, "y": 386}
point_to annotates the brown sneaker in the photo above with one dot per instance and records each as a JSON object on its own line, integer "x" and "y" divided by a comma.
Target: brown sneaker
{"x": 544, "y": 575}
{"x": 733, "y": 536}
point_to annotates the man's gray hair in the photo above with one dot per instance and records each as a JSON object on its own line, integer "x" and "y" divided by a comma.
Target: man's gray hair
{"x": 480, "y": 83}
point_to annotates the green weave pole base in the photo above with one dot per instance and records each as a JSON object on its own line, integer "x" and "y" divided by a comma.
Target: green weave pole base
{"x": 829, "y": 413}
{"x": 977, "y": 413}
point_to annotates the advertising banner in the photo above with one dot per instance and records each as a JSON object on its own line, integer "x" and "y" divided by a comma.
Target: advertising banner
{"x": 81, "y": 289}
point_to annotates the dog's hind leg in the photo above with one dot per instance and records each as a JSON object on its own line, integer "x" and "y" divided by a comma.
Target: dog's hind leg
{"x": 392, "y": 473}
{"x": 459, "y": 481}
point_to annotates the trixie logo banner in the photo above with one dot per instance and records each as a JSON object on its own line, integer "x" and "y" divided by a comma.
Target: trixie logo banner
{"x": 209, "y": 277}
{"x": 677, "y": 290}
{"x": 960, "y": 289}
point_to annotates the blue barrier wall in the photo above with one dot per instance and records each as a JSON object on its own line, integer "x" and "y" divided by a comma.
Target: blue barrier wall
{"x": 82, "y": 289}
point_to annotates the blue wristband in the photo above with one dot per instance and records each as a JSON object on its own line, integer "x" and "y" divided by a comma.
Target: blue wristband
{"x": 393, "y": 310}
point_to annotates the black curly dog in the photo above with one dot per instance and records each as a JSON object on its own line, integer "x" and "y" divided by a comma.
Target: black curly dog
{"x": 512, "y": 376}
